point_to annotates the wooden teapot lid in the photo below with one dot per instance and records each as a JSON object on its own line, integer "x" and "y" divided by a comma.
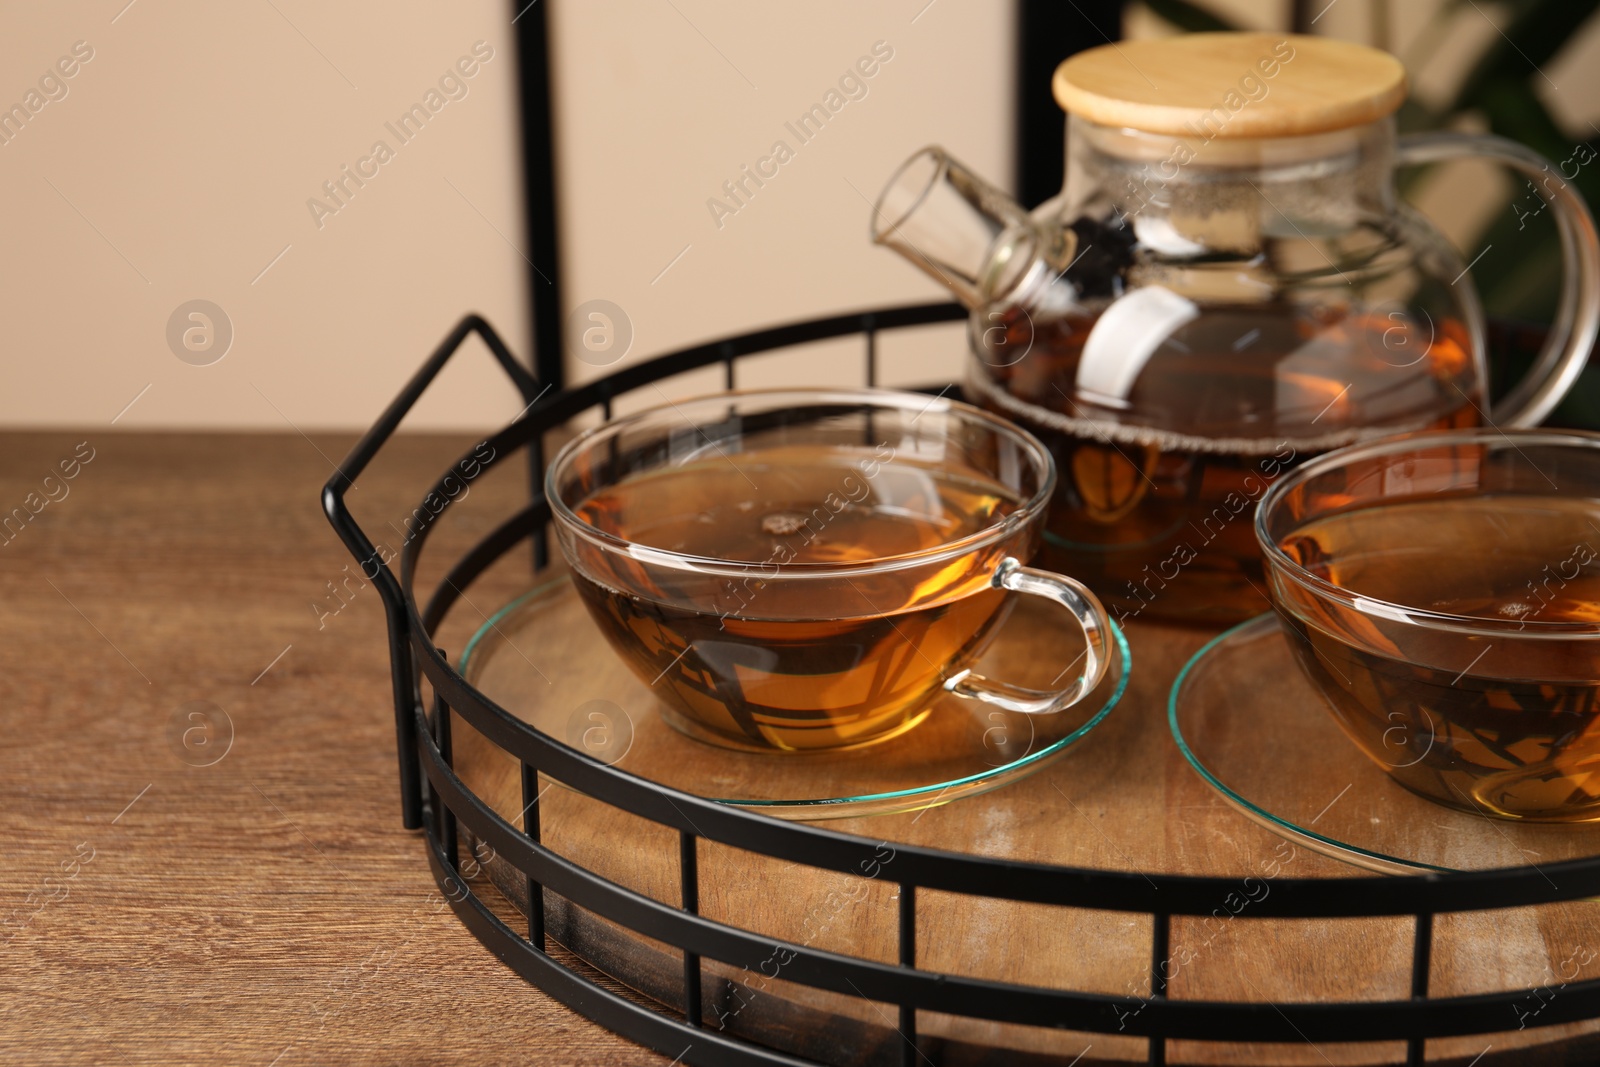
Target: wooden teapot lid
{"x": 1231, "y": 85}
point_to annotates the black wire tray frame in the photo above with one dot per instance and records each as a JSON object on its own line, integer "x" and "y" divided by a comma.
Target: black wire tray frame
{"x": 424, "y": 746}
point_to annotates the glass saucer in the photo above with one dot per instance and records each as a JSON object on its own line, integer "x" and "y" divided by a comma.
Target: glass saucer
{"x": 1259, "y": 732}
{"x": 543, "y": 659}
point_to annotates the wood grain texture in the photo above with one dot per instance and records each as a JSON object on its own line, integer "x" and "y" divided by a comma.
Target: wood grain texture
{"x": 266, "y": 909}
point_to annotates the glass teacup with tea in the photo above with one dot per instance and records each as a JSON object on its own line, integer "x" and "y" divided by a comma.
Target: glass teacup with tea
{"x": 1442, "y": 591}
{"x": 797, "y": 570}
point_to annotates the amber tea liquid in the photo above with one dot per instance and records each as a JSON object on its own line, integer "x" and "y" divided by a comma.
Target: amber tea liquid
{"x": 1156, "y": 495}
{"x": 1496, "y": 725}
{"x": 793, "y": 664}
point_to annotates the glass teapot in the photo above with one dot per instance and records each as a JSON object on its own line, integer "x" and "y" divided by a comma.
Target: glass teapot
{"x": 1226, "y": 286}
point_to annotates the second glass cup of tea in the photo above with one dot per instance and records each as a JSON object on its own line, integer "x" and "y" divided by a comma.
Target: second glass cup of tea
{"x": 796, "y": 570}
{"x": 1442, "y": 591}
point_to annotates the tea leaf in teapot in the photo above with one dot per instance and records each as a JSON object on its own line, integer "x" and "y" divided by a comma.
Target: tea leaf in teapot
{"x": 1107, "y": 482}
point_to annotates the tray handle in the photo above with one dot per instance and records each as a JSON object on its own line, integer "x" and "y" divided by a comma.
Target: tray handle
{"x": 407, "y": 690}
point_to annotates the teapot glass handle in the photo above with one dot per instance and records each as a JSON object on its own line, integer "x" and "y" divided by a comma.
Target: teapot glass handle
{"x": 1090, "y": 615}
{"x": 1577, "y": 321}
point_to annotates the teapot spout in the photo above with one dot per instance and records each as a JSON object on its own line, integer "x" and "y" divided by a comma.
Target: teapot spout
{"x": 962, "y": 231}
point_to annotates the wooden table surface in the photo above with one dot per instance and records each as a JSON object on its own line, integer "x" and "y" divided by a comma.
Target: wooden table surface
{"x": 267, "y": 908}
{"x": 206, "y": 862}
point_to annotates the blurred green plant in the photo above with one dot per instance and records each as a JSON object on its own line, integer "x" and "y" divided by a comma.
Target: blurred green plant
{"x": 1519, "y": 282}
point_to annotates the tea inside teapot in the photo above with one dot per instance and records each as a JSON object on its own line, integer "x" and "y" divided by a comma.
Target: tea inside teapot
{"x": 1225, "y": 287}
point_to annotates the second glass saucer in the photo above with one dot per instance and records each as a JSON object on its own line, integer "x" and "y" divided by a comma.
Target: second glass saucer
{"x": 545, "y": 661}
{"x": 1257, "y": 731}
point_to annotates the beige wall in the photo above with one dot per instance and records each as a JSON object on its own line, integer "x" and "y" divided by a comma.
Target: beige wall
{"x": 179, "y": 163}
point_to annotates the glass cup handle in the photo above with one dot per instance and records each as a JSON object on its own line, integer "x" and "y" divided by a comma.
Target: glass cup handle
{"x": 1578, "y": 315}
{"x": 1091, "y": 616}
